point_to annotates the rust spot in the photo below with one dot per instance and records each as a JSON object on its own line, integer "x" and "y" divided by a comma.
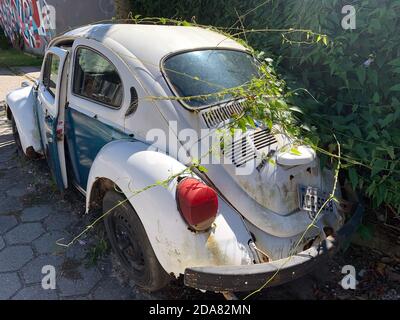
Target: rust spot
{"x": 264, "y": 258}
{"x": 99, "y": 189}
{"x": 32, "y": 154}
{"x": 213, "y": 247}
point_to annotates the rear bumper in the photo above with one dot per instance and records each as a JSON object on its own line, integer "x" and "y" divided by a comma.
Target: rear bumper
{"x": 253, "y": 277}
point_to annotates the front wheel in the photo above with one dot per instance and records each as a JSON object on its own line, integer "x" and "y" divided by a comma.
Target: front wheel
{"x": 16, "y": 136}
{"x": 129, "y": 241}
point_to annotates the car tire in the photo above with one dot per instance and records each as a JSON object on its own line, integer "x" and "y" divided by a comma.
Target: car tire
{"x": 130, "y": 243}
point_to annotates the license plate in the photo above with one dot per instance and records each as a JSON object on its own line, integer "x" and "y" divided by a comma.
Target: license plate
{"x": 312, "y": 199}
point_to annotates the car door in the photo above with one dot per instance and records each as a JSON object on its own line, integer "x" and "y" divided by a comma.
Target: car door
{"x": 49, "y": 92}
{"x": 97, "y": 100}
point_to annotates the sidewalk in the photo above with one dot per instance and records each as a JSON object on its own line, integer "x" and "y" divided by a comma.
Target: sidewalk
{"x": 9, "y": 81}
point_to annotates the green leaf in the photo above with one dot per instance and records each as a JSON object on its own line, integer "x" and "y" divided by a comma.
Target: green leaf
{"x": 395, "y": 88}
{"x": 388, "y": 119}
{"x": 376, "y": 97}
{"x": 296, "y": 109}
{"x": 373, "y": 76}
{"x": 295, "y": 152}
{"x": 391, "y": 153}
{"x": 186, "y": 24}
{"x": 378, "y": 166}
{"x": 361, "y": 74}
{"x": 202, "y": 169}
{"x": 395, "y": 62}
{"x": 353, "y": 176}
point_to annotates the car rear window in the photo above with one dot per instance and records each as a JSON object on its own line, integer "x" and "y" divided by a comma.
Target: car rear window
{"x": 206, "y": 72}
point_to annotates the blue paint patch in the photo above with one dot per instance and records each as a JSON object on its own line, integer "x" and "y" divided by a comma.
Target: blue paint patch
{"x": 86, "y": 136}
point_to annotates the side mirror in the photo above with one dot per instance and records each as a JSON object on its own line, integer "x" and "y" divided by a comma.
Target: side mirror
{"x": 25, "y": 84}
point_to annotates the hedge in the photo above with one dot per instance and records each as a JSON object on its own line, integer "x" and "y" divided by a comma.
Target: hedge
{"x": 353, "y": 83}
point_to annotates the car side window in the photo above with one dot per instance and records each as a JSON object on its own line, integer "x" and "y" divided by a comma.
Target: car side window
{"x": 50, "y": 74}
{"x": 96, "y": 78}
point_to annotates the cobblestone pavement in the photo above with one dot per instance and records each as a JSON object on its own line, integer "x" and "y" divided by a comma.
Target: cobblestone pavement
{"x": 32, "y": 219}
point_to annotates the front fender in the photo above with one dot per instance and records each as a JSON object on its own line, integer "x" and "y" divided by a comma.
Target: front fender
{"x": 22, "y": 102}
{"x": 132, "y": 167}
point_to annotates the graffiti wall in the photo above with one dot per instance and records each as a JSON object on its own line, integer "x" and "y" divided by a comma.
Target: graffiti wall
{"x": 28, "y": 23}
{"x": 31, "y": 24}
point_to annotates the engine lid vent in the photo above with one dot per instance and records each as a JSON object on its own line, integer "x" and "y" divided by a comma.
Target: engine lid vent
{"x": 245, "y": 149}
{"x": 263, "y": 138}
{"x": 213, "y": 117}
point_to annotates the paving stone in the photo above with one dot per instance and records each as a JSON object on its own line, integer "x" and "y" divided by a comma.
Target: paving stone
{"x": 9, "y": 205}
{"x": 7, "y": 223}
{"x": 14, "y": 258}
{"x": 58, "y": 221}
{"x": 7, "y": 153}
{"x": 105, "y": 265}
{"x": 47, "y": 242}
{"x": 36, "y": 293}
{"x": 35, "y": 214}
{"x": 24, "y": 233}
{"x": 81, "y": 285}
{"x": 17, "y": 191}
{"x": 2, "y": 244}
{"x": 32, "y": 272}
{"x": 110, "y": 289}
{"x": 76, "y": 251}
{"x": 9, "y": 285}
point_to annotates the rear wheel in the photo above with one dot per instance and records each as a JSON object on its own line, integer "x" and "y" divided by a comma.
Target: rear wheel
{"x": 129, "y": 241}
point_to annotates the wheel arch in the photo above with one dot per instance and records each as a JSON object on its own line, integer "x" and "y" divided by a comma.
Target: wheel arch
{"x": 97, "y": 192}
{"x": 133, "y": 168}
{"x": 20, "y": 106}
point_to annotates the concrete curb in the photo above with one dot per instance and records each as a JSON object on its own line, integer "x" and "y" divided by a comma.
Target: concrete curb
{"x": 16, "y": 72}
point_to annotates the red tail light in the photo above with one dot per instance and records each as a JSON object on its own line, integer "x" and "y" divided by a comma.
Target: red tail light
{"x": 197, "y": 202}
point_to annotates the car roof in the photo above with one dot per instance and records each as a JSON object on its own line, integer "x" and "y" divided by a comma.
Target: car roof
{"x": 151, "y": 43}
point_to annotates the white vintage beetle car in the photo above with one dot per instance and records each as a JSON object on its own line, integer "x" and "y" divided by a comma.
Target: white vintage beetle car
{"x": 90, "y": 115}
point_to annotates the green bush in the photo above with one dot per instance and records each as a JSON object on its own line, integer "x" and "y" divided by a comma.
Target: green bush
{"x": 209, "y": 12}
{"x": 356, "y": 81}
{"x": 353, "y": 82}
